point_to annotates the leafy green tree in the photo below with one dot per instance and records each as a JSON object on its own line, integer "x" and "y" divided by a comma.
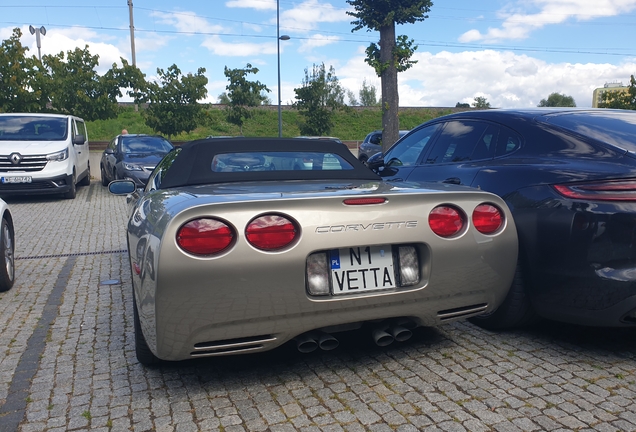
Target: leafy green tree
{"x": 74, "y": 87}
{"x": 173, "y": 101}
{"x": 224, "y": 99}
{"x": 318, "y": 97}
{"x": 620, "y": 99}
{"x": 462, "y": 105}
{"x": 353, "y": 101}
{"x": 393, "y": 54}
{"x": 557, "y": 100}
{"x": 20, "y": 78}
{"x": 243, "y": 95}
{"x": 368, "y": 94}
{"x": 481, "y": 103}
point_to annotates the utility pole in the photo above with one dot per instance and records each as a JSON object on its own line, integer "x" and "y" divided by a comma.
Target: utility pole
{"x": 132, "y": 39}
{"x": 132, "y": 32}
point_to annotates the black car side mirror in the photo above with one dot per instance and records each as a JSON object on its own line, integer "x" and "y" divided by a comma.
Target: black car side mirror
{"x": 79, "y": 139}
{"x": 376, "y": 161}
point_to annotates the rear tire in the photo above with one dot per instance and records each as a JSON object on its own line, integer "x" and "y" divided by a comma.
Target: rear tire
{"x": 7, "y": 257}
{"x": 515, "y": 311}
{"x": 144, "y": 355}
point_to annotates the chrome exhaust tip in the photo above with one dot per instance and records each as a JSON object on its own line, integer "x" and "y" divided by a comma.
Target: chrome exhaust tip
{"x": 326, "y": 342}
{"x": 381, "y": 337}
{"x": 306, "y": 343}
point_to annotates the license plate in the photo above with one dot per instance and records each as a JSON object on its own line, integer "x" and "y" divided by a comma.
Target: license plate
{"x": 18, "y": 179}
{"x": 362, "y": 269}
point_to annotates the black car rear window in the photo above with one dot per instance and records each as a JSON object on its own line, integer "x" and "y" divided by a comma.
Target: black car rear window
{"x": 612, "y": 127}
{"x": 261, "y": 159}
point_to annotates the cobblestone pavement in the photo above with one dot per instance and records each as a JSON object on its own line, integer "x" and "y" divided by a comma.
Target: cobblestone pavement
{"x": 67, "y": 360}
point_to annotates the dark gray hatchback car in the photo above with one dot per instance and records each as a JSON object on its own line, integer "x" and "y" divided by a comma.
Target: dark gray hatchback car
{"x": 133, "y": 157}
{"x": 372, "y": 144}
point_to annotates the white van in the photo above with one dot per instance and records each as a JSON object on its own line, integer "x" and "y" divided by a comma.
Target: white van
{"x": 43, "y": 154}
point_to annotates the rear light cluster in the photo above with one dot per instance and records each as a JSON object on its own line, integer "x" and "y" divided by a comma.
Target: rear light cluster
{"x": 447, "y": 220}
{"x": 612, "y": 190}
{"x": 319, "y": 273}
{"x": 210, "y": 236}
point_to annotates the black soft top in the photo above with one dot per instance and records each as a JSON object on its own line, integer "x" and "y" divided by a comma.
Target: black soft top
{"x": 196, "y": 161}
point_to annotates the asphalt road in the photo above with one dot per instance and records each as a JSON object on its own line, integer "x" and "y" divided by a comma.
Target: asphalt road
{"x": 67, "y": 361}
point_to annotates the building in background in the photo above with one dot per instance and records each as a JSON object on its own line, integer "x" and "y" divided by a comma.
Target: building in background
{"x": 608, "y": 87}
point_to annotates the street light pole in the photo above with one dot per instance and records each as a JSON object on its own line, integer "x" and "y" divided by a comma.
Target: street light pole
{"x": 278, "y": 39}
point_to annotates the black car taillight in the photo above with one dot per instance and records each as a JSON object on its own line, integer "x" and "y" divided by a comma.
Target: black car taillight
{"x": 609, "y": 190}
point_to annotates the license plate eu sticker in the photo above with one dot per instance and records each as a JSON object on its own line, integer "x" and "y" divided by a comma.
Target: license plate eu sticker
{"x": 361, "y": 269}
{"x": 17, "y": 179}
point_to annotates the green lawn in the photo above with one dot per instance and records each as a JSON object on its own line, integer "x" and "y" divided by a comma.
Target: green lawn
{"x": 352, "y": 124}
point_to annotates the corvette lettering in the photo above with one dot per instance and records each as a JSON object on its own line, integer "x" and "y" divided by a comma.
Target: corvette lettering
{"x": 368, "y": 227}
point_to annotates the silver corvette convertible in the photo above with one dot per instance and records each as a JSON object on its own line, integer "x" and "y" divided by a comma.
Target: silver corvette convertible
{"x": 240, "y": 245}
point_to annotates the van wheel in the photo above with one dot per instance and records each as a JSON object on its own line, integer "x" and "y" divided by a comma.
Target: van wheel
{"x": 72, "y": 192}
{"x": 7, "y": 257}
{"x": 86, "y": 181}
{"x": 103, "y": 175}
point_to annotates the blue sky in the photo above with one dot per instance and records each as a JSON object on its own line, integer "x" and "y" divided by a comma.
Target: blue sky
{"x": 514, "y": 53}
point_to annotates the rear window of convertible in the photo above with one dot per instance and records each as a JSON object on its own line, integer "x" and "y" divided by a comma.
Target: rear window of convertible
{"x": 278, "y": 161}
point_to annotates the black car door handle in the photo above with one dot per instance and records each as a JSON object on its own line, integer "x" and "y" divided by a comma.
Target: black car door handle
{"x": 453, "y": 180}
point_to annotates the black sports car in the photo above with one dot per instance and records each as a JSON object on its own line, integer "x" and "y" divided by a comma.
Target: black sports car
{"x": 569, "y": 178}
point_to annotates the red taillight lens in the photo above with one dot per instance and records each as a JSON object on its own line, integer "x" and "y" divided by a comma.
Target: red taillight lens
{"x": 364, "y": 201}
{"x": 613, "y": 190}
{"x": 445, "y": 221}
{"x": 487, "y": 218}
{"x": 205, "y": 236}
{"x": 271, "y": 232}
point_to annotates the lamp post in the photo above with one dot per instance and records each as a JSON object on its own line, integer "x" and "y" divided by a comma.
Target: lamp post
{"x": 278, "y": 39}
{"x": 38, "y": 32}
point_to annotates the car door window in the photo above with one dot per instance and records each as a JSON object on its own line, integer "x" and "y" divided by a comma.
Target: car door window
{"x": 81, "y": 129}
{"x": 408, "y": 150}
{"x": 508, "y": 142}
{"x": 462, "y": 141}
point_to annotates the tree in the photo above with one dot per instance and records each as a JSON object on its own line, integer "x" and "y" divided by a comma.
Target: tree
{"x": 620, "y": 99}
{"x": 462, "y": 105}
{"x": 74, "y": 87}
{"x": 481, "y": 103}
{"x": 368, "y": 96}
{"x": 557, "y": 100}
{"x": 353, "y": 101}
{"x": 243, "y": 94}
{"x": 173, "y": 101}
{"x": 224, "y": 99}
{"x": 392, "y": 55}
{"x": 20, "y": 83}
{"x": 317, "y": 99}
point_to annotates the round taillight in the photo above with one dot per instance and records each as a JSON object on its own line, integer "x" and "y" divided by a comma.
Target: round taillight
{"x": 445, "y": 221}
{"x": 271, "y": 232}
{"x": 487, "y": 218}
{"x": 205, "y": 236}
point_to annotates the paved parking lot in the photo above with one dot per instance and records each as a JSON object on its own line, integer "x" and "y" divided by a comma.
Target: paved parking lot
{"x": 67, "y": 360}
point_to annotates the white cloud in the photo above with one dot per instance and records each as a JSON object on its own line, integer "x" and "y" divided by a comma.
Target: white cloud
{"x": 506, "y": 79}
{"x": 217, "y": 46}
{"x": 309, "y": 14}
{"x": 187, "y": 22}
{"x": 252, "y": 4}
{"x": 518, "y": 24}
{"x": 316, "y": 40}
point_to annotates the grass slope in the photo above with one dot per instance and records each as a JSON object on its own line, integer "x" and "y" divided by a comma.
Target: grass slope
{"x": 352, "y": 124}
